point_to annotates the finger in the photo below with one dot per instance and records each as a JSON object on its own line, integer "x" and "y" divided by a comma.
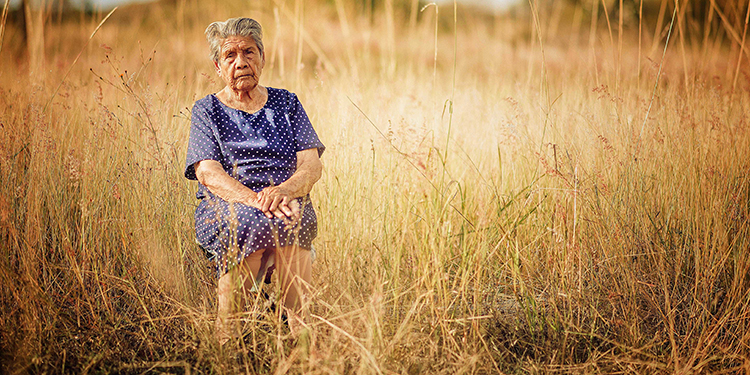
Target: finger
{"x": 259, "y": 205}
{"x": 296, "y": 207}
{"x": 275, "y": 203}
{"x": 269, "y": 214}
{"x": 265, "y": 204}
{"x": 289, "y": 211}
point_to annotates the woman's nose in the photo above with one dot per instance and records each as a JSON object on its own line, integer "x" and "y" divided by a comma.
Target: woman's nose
{"x": 242, "y": 61}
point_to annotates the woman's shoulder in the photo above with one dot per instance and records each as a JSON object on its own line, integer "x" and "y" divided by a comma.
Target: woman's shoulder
{"x": 208, "y": 109}
{"x": 274, "y": 91}
{"x": 207, "y": 103}
{"x": 281, "y": 97}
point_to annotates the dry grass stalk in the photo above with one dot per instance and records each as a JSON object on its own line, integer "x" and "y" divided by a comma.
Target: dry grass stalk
{"x": 532, "y": 228}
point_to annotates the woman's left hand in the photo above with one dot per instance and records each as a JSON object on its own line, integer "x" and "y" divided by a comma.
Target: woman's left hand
{"x": 280, "y": 203}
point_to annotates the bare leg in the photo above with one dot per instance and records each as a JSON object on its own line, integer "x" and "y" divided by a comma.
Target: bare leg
{"x": 230, "y": 287}
{"x": 294, "y": 267}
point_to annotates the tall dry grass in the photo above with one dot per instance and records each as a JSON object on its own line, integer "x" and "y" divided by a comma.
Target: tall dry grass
{"x": 507, "y": 193}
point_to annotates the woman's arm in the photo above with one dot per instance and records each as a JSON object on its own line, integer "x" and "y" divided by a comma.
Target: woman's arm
{"x": 309, "y": 169}
{"x": 211, "y": 174}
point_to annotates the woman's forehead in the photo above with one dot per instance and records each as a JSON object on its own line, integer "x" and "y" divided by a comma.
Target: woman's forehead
{"x": 237, "y": 42}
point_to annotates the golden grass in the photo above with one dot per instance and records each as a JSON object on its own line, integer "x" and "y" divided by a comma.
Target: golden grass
{"x": 572, "y": 201}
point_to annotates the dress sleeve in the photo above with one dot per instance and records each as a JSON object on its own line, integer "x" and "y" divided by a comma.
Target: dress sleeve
{"x": 305, "y": 136}
{"x": 202, "y": 144}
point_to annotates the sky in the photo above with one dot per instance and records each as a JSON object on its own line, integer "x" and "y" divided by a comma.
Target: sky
{"x": 105, "y": 4}
{"x": 495, "y": 4}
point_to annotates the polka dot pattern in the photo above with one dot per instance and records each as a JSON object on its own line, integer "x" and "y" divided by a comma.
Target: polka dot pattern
{"x": 260, "y": 150}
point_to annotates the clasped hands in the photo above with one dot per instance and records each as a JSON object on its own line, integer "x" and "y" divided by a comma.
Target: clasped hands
{"x": 277, "y": 202}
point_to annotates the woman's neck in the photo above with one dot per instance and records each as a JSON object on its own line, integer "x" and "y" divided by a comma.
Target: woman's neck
{"x": 249, "y": 101}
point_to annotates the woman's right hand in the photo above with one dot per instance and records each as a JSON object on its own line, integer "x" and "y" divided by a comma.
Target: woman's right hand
{"x": 289, "y": 211}
{"x": 252, "y": 200}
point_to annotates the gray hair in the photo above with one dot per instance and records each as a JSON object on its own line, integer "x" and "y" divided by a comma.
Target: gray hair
{"x": 218, "y": 31}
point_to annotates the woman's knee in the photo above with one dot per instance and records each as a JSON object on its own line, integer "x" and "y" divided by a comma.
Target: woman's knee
{"x": 294, "y": 255}
{"x": 294, "y": 264}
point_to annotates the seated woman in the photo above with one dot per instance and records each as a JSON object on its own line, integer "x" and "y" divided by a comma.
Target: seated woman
{"x": 256, "y": 156}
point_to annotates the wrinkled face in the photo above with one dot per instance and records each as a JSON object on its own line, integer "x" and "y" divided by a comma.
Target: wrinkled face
{"x": 240, "y": 63}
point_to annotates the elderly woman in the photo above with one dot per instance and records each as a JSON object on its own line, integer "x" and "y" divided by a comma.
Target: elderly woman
{"x": 256, "y": 156}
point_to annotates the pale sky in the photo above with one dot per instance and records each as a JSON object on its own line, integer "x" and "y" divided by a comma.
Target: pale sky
{"x": 495, "y": 4}
{"x": 105, "y": 4}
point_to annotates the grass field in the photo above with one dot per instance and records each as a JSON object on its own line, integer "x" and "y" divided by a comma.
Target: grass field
{"x": 552, "y": 190}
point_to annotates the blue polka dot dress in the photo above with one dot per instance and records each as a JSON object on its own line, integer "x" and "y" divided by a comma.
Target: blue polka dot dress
{"x": 259, "y": 150}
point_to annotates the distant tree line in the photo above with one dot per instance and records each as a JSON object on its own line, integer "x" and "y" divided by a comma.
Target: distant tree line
{"x": 697, "y": 14}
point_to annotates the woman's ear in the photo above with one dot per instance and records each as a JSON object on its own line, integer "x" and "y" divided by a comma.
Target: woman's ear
{"x": 217, "y": 67}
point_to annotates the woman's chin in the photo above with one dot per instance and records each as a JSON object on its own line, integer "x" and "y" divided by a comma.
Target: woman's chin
{"x": 244, "y": 84}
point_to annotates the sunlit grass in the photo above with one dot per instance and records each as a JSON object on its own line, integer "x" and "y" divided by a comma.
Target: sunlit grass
{"x": 554, "y": 228}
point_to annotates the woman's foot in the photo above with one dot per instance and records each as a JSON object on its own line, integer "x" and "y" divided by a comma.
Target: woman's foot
{"x": 295, "y": 322}
{"x": 224, "y": 330}
{"x": 303, "y": 335}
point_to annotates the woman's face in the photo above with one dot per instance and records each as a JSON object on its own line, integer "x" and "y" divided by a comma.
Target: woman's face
{"x": 240, "y": 63}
